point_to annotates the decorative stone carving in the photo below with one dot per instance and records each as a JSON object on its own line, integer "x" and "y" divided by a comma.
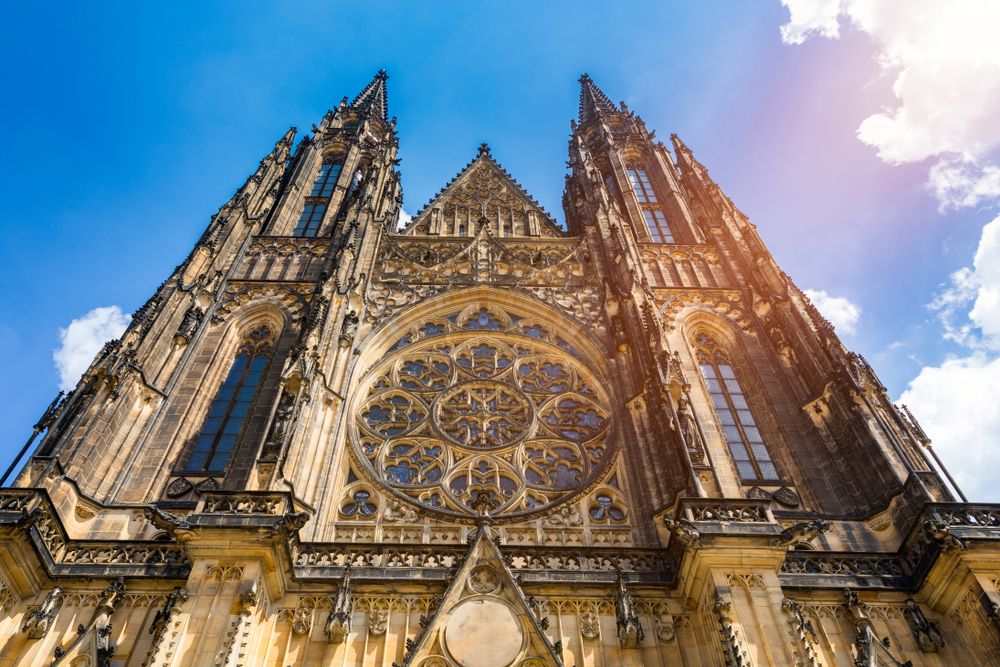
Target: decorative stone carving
{"x": 349, "y": 329}
{"x": 568, "y": 515}
{"x": 483, "y": 399}
{"x": 378, "y": 621}
{"x": 665, "y": 629}
{"x": 684, "y": 532}
{"x": 590, "y": 625}
{"x": 802, "y": 631}
{"x": 630, "y": 632}
{"x": 302, "y": 618}
{"x": 161, "y": 621}
{"x": 941, "y": 534}
{"x": 279, "y": 426}
{"x": 37, "y": 621}
{"x": 177, "y": 527}
{"x": 787, "y": 497}
{"x": 338, "y": 623}
{"x": 484, "y": 579}
{"x": 926, "y": 633}
{"x": 804, "y": 531}
{"x": 178, "y": 487}
{"x": 397, "y": 512}
{"x": 288, "y": 525}
{"x": 189, "y": 325}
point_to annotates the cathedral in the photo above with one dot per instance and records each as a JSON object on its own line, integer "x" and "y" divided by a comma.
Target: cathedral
{"x": 486, "y": 438}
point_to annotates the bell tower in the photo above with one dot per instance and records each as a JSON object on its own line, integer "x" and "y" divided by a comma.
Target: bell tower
{"x": 762, "y": 399}
{"x": 224, "y": 371}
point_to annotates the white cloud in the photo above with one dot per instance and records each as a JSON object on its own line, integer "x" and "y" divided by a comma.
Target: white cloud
{"x": 82, "y": 340}
{"x": 841, "y": 311}
{"x": 958, "y": 183}
{"x": 956, "y": 404}
{"x": 969, "y": 307}
{"x": 810, "y": 17}
{"x": 404, "y": 219}
{"x": 946, "y": 67}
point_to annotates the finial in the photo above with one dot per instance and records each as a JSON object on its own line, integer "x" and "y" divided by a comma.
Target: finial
{"x": 382, "y": 74}
{"x": 484, "y": 149}
{"x": 584, "y": 78}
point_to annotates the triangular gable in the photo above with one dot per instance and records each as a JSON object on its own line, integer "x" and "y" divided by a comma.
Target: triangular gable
{"x": 483, "y": 618}
{"x": 484, "y": 189}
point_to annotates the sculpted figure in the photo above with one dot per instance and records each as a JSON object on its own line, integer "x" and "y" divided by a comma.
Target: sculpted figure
{"x": 37, "y": 622}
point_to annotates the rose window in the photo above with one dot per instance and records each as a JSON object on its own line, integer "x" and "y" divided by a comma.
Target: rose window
{"x": 482, "y": 406}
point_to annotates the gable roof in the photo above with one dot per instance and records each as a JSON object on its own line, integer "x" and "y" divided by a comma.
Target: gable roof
{"x": 484, "y": 609}
{"x": 484, "y": 182}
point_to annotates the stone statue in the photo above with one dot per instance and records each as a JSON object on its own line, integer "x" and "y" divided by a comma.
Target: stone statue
{"x": 630, "y": 631}
{"x": 926, "y": 632}
{"x": 282, "y": 419}
{"x": 37, "y": 622}
{"x": 338, "y": 623}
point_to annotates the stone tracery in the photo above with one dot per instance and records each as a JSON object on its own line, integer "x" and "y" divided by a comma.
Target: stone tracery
{"x": 483, "y": 401}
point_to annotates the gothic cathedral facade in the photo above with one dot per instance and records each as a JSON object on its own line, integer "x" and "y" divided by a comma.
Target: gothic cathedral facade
{"x": 487, "y": 440}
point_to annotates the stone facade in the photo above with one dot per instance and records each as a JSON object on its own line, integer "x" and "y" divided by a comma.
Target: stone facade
{"x": 487, "y": 440}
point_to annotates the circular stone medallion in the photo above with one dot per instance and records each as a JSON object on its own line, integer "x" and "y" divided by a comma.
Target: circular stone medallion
{"x": 483, "y": 633}
{"x": 483, "y": 414}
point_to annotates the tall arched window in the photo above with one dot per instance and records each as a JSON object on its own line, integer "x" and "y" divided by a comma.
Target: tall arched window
{"x": 652, "y": 214}
{"x": 746, "y": 445}
{"x": 222, "y": 427}
{"x": 318, "y": 199}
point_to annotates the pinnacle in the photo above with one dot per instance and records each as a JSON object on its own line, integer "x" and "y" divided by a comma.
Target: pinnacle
{"x": 592, "y": 99}
{"x": 374, "y": 98}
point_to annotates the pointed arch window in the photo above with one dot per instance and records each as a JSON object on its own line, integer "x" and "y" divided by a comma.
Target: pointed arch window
{"x": 310, "y": 220}
{"x": 221, "y": 430}
{"x": 329, "y": 172}
{"x": 746, "y": 445}
{"x": 656, "y": 225}
{"x": 641, "y": 186}
{"x": 656, "y": 221}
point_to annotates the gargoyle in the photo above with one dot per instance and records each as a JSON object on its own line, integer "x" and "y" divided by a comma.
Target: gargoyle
{"x": 684, "y": 531}
{"x": 176, "y": 526}
{"x": 289, "y": 524}
{"x": 941, "y": 534}
{"x": 805, "y": 531}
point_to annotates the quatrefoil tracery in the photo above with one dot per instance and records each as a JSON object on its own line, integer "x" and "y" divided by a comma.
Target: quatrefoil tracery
{"x": 483, "y": 402}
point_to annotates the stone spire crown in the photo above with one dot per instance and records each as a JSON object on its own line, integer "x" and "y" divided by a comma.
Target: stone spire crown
{"x": 593, "y": 100}
{"x": 374, "y": 98}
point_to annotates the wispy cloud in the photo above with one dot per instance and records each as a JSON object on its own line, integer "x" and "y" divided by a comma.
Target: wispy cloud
{"x": 843, "y": 313}
{"x": 946, "y": 68}
{"x": 83, "y": 339}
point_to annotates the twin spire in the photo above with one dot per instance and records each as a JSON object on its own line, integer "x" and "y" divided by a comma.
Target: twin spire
{"x": 374, "y": 98}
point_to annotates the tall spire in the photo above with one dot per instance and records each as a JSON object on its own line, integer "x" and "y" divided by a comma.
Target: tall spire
{"x": 593, "y": 99}
{"x": 374, "y": 98}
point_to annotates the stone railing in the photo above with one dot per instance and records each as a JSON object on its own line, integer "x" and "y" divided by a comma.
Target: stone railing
{"x": 938, "y": 528}
{"x": 32, "y": 511}
{"x": 733, "y": 510}
{"x": 317, "y": 560}
{"x": 244, "y": 503}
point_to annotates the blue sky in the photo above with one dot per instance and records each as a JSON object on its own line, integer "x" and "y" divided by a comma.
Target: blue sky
{"x": 129, "y": 124}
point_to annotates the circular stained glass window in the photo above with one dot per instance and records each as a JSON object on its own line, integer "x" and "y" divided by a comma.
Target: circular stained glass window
{"x": 479, "y": 407}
